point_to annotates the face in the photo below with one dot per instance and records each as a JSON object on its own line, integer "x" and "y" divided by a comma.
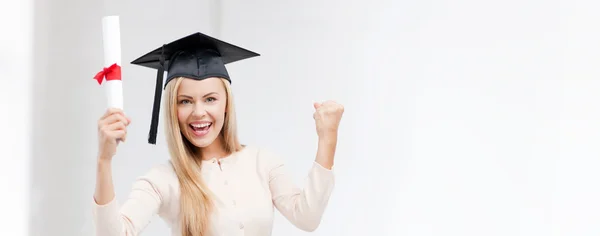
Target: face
{"x": 201, "y": 110}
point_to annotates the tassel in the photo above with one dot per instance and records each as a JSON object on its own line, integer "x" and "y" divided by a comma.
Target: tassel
{"x": 157, "y": 98}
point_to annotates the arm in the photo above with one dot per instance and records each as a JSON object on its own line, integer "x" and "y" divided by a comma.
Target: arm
{"x": 129, "y": 219}
{"x": 104, "y": 185}
{"x": 326, "y": 150}
{"x": 304, "y": 207}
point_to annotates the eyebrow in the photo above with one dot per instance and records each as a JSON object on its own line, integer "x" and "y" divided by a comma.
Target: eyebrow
{"x": 206, "y": 95}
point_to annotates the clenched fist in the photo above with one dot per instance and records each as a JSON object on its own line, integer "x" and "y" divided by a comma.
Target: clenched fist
{"x": 112, "y": 127}
{"x": 327, "y": 117}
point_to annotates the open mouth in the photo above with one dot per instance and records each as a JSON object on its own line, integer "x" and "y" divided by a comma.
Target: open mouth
{"x": 201, "y": 127}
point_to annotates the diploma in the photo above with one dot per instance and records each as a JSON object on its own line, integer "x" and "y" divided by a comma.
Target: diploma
{"x": 111, "y": 72}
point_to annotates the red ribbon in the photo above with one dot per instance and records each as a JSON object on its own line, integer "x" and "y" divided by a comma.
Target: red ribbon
{"x": 113, "y": 72}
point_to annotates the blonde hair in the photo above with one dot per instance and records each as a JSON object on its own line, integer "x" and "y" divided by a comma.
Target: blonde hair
{"x": 196, "y": 203}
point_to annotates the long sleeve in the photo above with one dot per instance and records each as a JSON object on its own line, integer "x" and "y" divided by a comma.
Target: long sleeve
{"x": 303, "y": 207}
{"x": 133, "y": 216}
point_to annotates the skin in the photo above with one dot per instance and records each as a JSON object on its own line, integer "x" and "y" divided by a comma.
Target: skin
{"x": 327, "y": 118}
{"x": 203, "y": 100}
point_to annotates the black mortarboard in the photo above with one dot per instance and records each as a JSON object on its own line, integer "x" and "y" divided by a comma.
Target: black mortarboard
{"x": 197, "y": 56}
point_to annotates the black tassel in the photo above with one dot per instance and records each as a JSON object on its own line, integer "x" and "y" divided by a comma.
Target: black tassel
{"x": 157, "y": 98}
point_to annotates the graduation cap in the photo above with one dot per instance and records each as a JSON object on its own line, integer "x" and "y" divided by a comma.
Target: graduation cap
{"x": 197, "y": 56}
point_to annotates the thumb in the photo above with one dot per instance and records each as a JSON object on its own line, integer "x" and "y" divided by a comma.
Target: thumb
{"x": 316, "y": 105}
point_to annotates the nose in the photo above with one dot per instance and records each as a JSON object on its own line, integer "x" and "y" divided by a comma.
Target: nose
{"x": 199, "y": 110}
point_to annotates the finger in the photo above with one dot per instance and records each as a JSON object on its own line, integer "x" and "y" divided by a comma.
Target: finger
{"x": 116, "y": 126}
{"x": 316, "y": 105}
{"x": 118, "y": 134}
{"x": 330, "y": 103}
{"x": 114, "y": 118}
{"x": 124, "y": 136}
{"x": 109, "y": 119}
{"x": 111, "y": 111}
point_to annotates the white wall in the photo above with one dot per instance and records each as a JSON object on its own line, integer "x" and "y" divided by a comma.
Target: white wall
{"x": 16, "y": 22}
{"x": 65, "y": 108}
{"x": 463, "y": 117}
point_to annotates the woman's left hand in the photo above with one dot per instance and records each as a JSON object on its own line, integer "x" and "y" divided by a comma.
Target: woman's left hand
{"x": 327, "y": 118}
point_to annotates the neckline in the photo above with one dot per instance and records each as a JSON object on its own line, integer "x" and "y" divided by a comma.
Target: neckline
{"x": 226, "y": 159}
{"x": 222, "y": 159}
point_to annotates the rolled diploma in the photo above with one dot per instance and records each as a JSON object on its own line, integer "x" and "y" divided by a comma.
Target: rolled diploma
{"x": 112, "y": 54}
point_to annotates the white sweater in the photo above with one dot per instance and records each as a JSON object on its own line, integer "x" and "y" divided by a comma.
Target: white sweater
{"x": 248, "y": 185}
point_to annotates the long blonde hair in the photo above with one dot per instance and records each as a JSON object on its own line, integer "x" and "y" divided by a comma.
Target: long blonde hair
{"x": 196, "y": 202}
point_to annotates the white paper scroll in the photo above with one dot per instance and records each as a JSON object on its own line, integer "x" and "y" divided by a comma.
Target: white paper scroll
{"x": 112, "y": 54}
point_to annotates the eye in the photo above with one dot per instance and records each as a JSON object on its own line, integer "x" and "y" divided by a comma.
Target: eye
{"x": 211, "y": 99}
{"x": 184, "y": 101}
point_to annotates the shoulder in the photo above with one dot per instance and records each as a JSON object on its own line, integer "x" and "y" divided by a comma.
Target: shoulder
{"x": 162, "y": 178}
{"x": 161, "y": 171}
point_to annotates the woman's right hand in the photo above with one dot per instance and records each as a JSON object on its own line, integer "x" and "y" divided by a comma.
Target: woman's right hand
{"x": 112, "y": 127}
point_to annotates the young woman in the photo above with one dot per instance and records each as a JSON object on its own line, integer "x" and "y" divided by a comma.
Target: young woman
{"x": 212, "y": 185}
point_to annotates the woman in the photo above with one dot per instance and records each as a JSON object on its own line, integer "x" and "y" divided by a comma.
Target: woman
{"x": 212, "y": 185}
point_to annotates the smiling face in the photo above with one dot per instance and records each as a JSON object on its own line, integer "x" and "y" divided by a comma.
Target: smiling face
{"x": 201, "y": 106}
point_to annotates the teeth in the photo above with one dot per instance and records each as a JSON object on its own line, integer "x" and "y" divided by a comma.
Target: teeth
{"x": 201, "y": 125}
